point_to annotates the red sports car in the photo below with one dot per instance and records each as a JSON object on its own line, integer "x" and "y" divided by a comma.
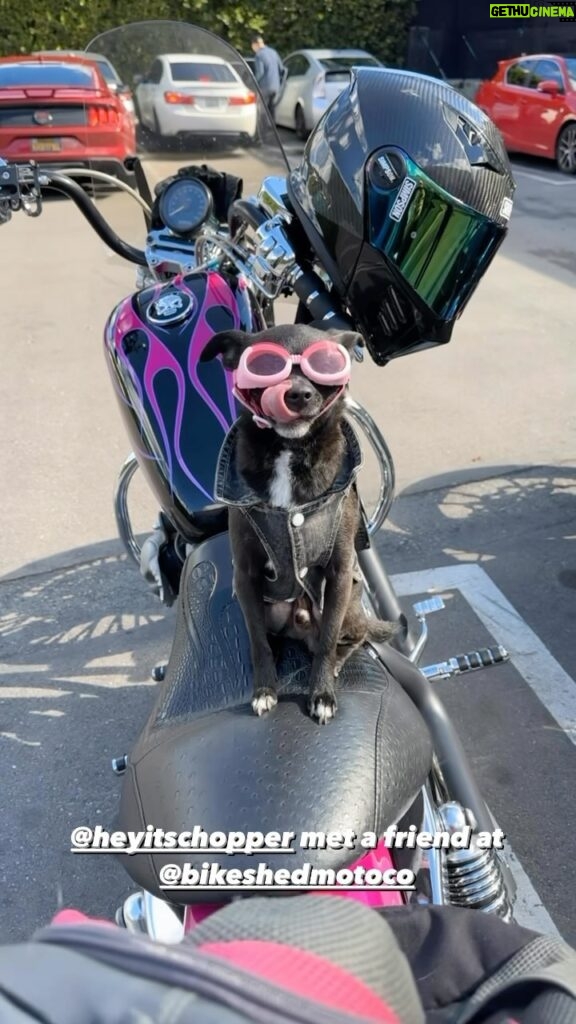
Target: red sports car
{"x": 60, "y": 112}
{"x": 532, "y": 100}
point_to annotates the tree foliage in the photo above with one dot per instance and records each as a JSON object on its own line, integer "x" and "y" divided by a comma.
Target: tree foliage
{"x": 379, "y": 26}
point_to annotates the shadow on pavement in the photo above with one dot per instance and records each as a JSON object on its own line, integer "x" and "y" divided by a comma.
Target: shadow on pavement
{"x": 517, "y": 524}
{"x": 76, "y": 649}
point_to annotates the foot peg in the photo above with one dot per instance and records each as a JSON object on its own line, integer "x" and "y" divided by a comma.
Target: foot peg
{"x": 120, "y": 764}
{"x": 159, "y": 671}
{"x": 471, "y": 662}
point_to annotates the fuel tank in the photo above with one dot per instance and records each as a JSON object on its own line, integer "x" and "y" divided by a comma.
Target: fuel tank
{"x": 176, "y": 409}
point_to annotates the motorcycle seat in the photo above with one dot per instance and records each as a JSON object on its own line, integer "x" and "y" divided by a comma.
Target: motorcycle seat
{"x": 205, "y": 759}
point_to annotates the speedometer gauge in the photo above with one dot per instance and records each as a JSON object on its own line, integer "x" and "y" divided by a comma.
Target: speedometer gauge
{"x": 185, "y": 205}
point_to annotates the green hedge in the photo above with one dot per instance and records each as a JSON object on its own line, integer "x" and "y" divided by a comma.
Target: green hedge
{"x": 379, "y": 26}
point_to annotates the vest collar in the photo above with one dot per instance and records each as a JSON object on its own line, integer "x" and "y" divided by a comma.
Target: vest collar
{"x": 231, "y": 488}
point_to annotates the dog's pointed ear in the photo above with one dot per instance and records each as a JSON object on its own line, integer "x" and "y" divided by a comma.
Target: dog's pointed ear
{"x": 229, "y": 345}
{"x": 349, "y": 339}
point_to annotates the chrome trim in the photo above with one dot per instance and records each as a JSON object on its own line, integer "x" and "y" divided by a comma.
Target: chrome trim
{"x": 144, "y": 914}
{"x": 421, "y": 610}
{"x": 432, "y": 824}
{"x": 121, "y": 508}
{"x": 154, "y": 311}
{"x": 220, "y": 245}
{"x": 388, "y": 478}
{"x": 163, "y": 923}
{"x": 274, "y": 262}
{"x": 269, "y": 268}
{"x": 166, "y": 253}
{"x": 131, "y": 914}
{"x": 472, "y": 877}
{"x": 120, "y": 764}
{"x": 474, "y": 661}
{"x": 271, "y": 197}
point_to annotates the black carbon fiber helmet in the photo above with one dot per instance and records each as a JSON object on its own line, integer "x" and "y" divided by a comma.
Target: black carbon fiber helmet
{"x": 405, "y": 192}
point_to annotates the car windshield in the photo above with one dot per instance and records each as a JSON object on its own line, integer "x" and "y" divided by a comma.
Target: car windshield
{"x": 46, "y": 74}
{"x": 201, "y": 71}
{"x": 571, "y": 69}
{"x": 107, "y": 72}
{"x": 337, "y": 63}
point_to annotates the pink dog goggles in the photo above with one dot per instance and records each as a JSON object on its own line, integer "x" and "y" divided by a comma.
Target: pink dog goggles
{"x": 267, "y": 367}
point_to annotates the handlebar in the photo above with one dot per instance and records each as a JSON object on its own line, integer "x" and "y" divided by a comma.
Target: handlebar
{"x": 21, "y": 188}
{"x": 311, "y": 291}
{"x": 101, "y": 226}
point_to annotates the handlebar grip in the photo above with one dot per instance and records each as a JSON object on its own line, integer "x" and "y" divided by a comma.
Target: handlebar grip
{"x": 311, "y": 291}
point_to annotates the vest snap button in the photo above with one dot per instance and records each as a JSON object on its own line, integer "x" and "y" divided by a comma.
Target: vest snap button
{"x": 303, "y": 572}
{"x": 298, "y": 519}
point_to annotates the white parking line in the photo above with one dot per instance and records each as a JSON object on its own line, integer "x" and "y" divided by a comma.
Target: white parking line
{"x": 545, "y": 677}
{"x": 556, "y": 182}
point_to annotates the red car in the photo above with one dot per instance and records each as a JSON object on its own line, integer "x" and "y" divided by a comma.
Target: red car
{"x": 60, "y": 112}
{"x": 532, "y": 100}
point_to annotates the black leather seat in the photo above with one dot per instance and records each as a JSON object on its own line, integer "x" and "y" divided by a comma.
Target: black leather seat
{"x": 205, "y": 759}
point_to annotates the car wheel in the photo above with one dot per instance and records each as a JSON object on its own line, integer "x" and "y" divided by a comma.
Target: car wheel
{"x": 566, "y": 149}
{"x": 300, "y": 123}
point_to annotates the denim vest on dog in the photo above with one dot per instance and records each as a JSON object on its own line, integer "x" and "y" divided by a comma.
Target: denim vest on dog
{"x": 298, "y": 541}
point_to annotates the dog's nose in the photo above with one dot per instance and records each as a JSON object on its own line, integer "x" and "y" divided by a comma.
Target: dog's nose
{"x": 298, "y": 398}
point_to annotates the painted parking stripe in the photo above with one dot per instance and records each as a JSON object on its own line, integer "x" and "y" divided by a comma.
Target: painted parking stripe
{"x": 556, "y": 182}
{"x": 545, "y": 677}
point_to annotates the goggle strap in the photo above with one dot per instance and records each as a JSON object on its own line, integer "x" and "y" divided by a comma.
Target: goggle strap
{"x": 259, "y": 420}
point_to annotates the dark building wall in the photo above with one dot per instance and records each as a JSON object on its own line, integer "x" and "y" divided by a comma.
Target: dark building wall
{"x": 458, "y": 39}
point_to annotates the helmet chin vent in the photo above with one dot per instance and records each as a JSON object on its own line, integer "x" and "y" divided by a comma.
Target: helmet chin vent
{"x": 393, "y": 312}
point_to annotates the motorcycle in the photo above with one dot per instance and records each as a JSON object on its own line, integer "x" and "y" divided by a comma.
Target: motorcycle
{"x": 216, "y": 257}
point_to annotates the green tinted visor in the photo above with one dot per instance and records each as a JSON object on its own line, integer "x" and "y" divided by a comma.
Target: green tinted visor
{"x": 439, "y": 246}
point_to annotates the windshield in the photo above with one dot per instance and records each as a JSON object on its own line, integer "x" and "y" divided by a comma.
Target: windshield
{"x": 68, "y": 75}
{"x": 337, "y": 63}
{"x": 194, "y": 102}
{"x": 202, "y": 71}
{"x": 107, "y": 72}
{"x": 571, "y": 69}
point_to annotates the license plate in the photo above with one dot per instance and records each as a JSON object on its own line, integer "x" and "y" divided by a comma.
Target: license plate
{"x": 211, "y": 101}
{"x": 46, "y": 145}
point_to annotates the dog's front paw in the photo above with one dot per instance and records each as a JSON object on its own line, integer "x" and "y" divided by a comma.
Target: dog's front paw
{"x": 264, "y": 700}
{"x": 323, "y": 708}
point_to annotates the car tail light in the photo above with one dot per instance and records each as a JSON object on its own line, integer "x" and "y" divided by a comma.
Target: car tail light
{"x": 319, "y": 89}
{"x": 179, "y": 97}
{"x": 242, "y": 101}
{"x": 98, "y": 116}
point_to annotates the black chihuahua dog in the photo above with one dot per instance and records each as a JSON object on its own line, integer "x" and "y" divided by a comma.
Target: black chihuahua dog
{"x": 295, "y": 518}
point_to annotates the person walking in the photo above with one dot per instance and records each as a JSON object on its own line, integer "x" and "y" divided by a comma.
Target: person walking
{"x": 268, "y": 70}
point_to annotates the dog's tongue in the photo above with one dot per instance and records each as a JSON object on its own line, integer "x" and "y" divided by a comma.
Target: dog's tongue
{"x": 273, "y": 405}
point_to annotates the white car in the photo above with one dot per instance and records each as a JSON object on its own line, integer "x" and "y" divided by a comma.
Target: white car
{"x": 197, "y": 94}
{"x": 313, "y": 80}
